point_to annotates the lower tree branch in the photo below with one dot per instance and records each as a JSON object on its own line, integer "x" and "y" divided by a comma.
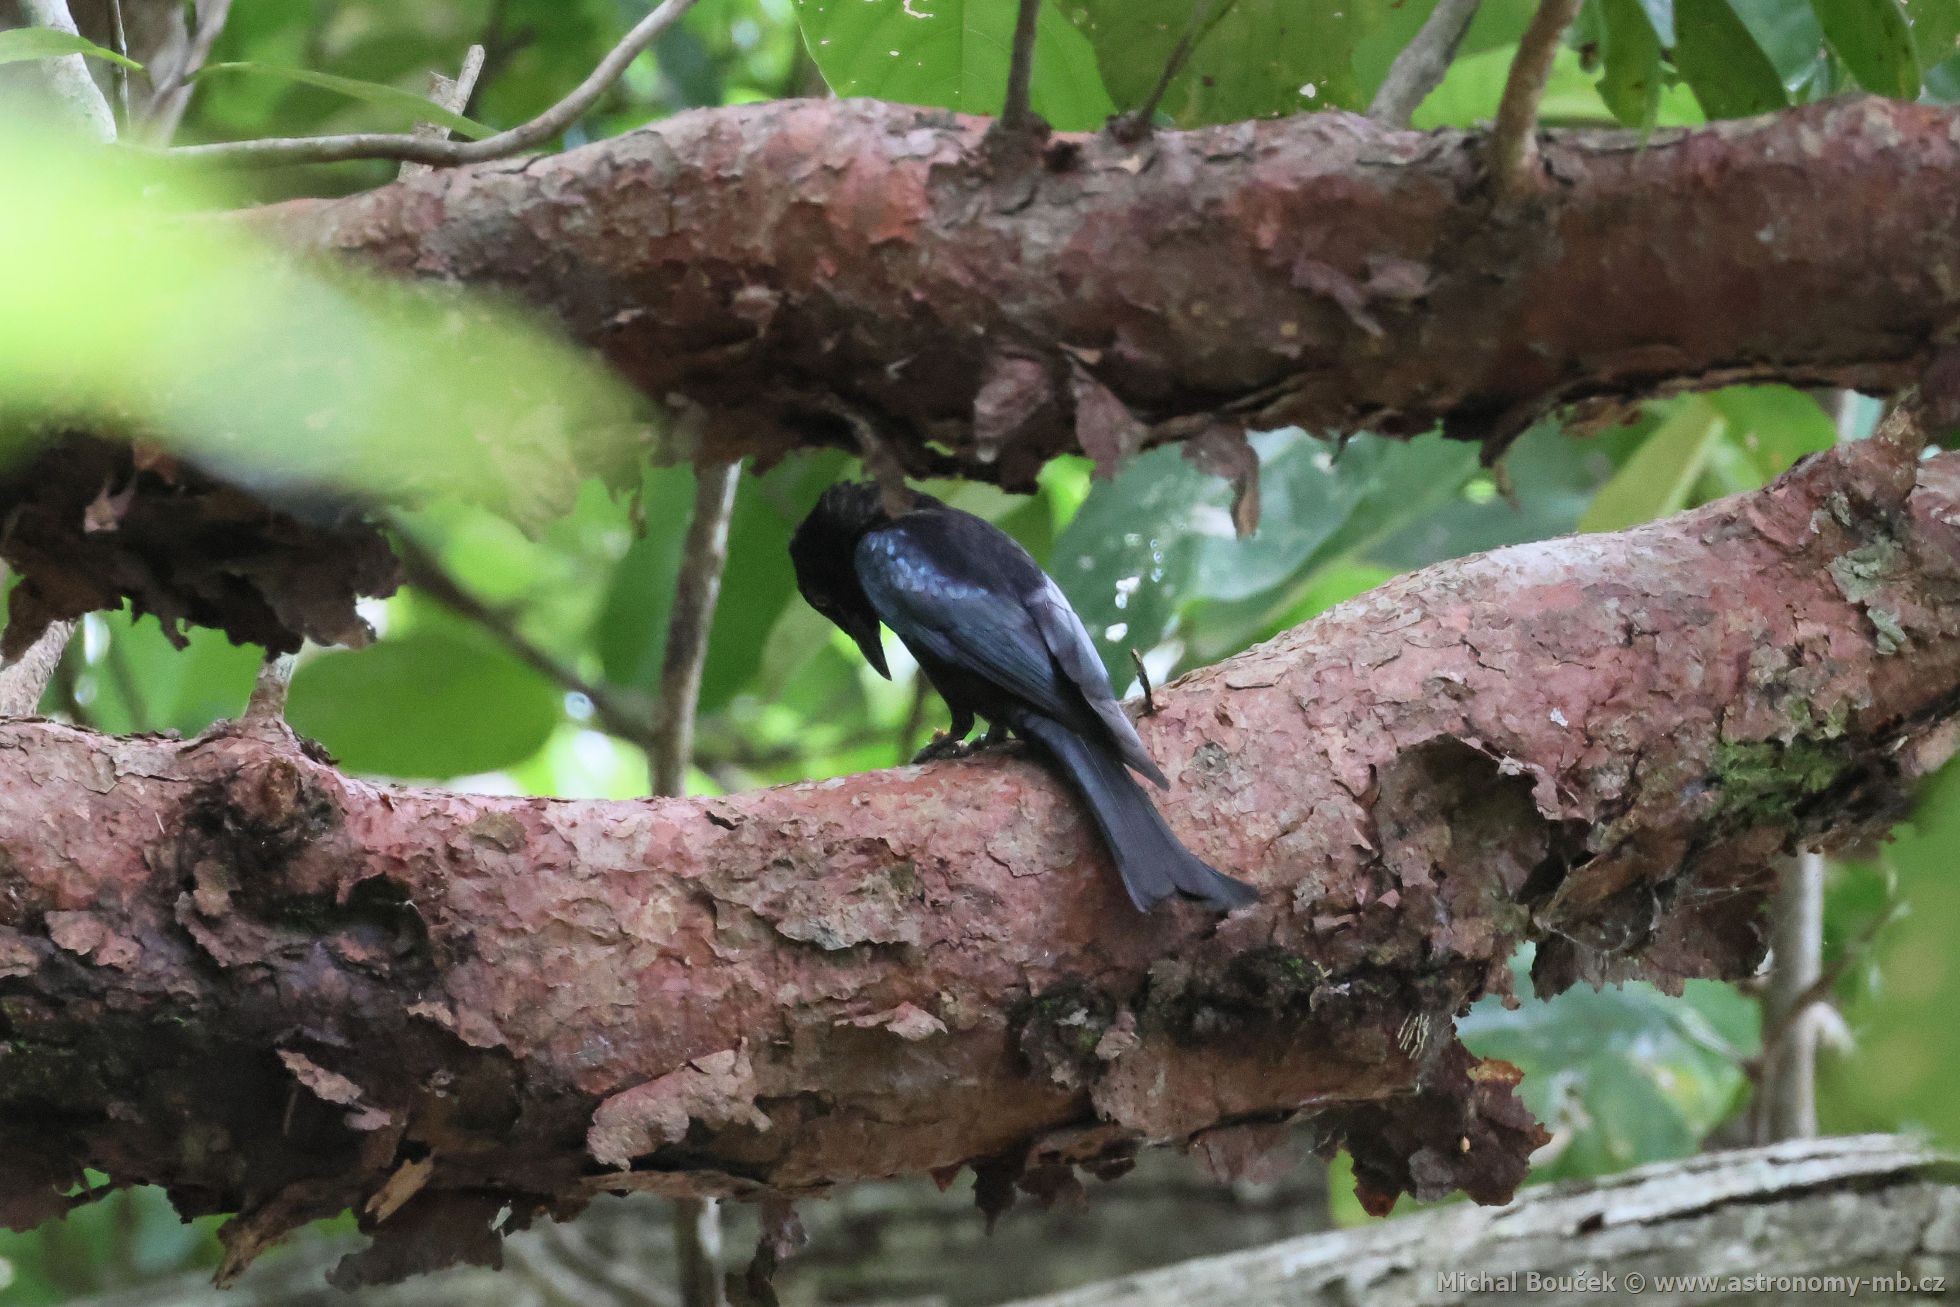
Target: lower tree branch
{"x": 1778, "y": 1216}
{"x": 280, "y": 991}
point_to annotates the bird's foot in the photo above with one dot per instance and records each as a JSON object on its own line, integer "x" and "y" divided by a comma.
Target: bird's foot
{"x": 943, "y": 746}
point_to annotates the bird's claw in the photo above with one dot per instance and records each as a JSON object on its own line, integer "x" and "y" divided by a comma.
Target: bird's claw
{"x": 943, "y": 746}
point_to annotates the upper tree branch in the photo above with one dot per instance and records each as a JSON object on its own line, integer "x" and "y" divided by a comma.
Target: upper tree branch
{"x": 780, "y": 263}
{"x": 227, "y": 968}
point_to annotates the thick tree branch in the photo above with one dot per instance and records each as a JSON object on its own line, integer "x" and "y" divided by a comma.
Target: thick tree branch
{"x": 229, "y": 969}
{"x": 1321, "y": 270}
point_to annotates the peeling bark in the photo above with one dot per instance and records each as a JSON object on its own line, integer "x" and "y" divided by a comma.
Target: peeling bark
{"x": 228, "y": 969}
{"x": 776, "y": 262}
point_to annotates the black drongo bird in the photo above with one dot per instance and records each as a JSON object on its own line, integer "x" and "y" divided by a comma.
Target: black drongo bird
{"x": 994, "y": 634}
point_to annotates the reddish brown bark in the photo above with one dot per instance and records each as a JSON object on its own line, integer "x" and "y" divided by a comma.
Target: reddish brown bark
{"x": 781, "y": 262}
{"x": 227, "y": 968}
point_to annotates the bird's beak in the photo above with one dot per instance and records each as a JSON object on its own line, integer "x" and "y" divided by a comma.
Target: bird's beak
{"x": 871, "y": 643}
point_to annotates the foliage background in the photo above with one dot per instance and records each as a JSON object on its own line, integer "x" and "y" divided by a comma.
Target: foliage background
{"x": 1149, "y": 558}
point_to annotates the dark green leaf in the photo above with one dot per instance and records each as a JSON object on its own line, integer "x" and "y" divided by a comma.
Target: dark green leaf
{"x": 1875, "y": 42}
{"x": 417, "y": 107}
{"x": 439, "y": 702}
{"x": 1254, "y": 57}
{"x": 952, "y": 54}
{"x": 1722, "y": 63}
{"x": 25, "y": 43}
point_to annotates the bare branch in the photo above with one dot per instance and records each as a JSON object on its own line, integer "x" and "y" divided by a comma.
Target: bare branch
{"x": 1133, "y": 123}
{"x": 452, "y": 94}
{"x": 1015, "y": 115}
{"x": 703, "y": 557}
{"x": 173, "y": 91}
{"x": 1513, "y": 143}
{"x": 23, "y": 681}
{"x": 69, "y": 83}
{"x": 419, "y": 149}
{"x": 1420, "y": 67}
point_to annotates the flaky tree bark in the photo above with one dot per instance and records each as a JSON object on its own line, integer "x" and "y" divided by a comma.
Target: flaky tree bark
{"x": 233, "y": 971}
{"x": 787, "y": 264}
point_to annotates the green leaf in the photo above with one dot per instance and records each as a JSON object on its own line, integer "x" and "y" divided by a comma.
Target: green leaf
{"x": 1875, "y": 42}
{"x": 1935, "y": 30}
{"x": 438, "y": 702}
{"x": 1721, "y": 61}
{"x": 952, "y": 54}
{"x": 1656, "y": 480}
{"x": 1631, "y": 84}
{"x": 1774, "y": 425}
{"x": 24, "y": 43}
{"x": 418, "y": 107}
{"x": 1254, "y": 58}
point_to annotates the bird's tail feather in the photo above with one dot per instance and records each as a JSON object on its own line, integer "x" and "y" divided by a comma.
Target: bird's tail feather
{"x": 1153, "y": 864}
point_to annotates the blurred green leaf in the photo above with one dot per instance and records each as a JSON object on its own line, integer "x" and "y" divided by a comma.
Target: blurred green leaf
{"x": 431, "y": 704}
{"x": 631, "y": 631}
{"x": 139, "y": 681}
{"x": 1721, "y": 61}
{"x": 1776, "y": 425}
{"x": 1657, "y": 479}
{"x": 953, "y": 54}
{"x": 454, "y": 395}
{"x": 1621, "y": 1076}
{"x": 1935, "y": 30}
{"x": 21, "y": 44}
{"x": 1875, "y": 42}
{"x": 1631, "y": 55}
{"x": 419, "y": 108}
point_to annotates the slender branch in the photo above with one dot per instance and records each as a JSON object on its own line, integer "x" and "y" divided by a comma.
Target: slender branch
{"x": 267, "y": 706}
{"x": 1420, "y": 67}
{"x": 119, "y": 72}
{"x": 1015, "y": 115}
{"x": 1513, "y": 141}
{"x": 409, "y": 148}
{"x": 452, "y": 94}
{"x": 70, "y": 85}
{"x": 1787, "y": 1090}
{"x": 704, "y": 557}
{"x": 424, "y": 572}
{"x": 25, "y": 680}
{"x": 1132, "y": 124}
{"x": 172, "y": 95}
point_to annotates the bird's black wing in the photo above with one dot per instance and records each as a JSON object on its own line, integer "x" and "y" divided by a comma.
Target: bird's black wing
{"x": 963, "y": 592}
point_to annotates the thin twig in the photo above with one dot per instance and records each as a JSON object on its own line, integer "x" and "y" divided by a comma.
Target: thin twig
{"x": 172, "y": 94}
{"x": 1143, "y": 679}
{"x": 266, "y": 709}
{"x": 409, "y": 148}
{"x": 119, "y": 72}
{"x": 422, "y": 571}
{"x": 1825, "y": 983}
{"x": 1786, "y": 1093}
{"x": 704, "y": 555}
{"x": 452, "y": 94}
{"x": 1132, "y": 124}
{"x": 1015, "y": 116}
{"x": 1420, "y": 67}
{"x": 1513, "y": 143}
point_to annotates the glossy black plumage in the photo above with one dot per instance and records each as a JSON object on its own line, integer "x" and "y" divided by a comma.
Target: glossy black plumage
{"x": 996, "y": 637}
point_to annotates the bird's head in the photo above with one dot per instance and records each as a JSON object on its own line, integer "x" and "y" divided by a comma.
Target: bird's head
{"x": 823, "y": 552}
